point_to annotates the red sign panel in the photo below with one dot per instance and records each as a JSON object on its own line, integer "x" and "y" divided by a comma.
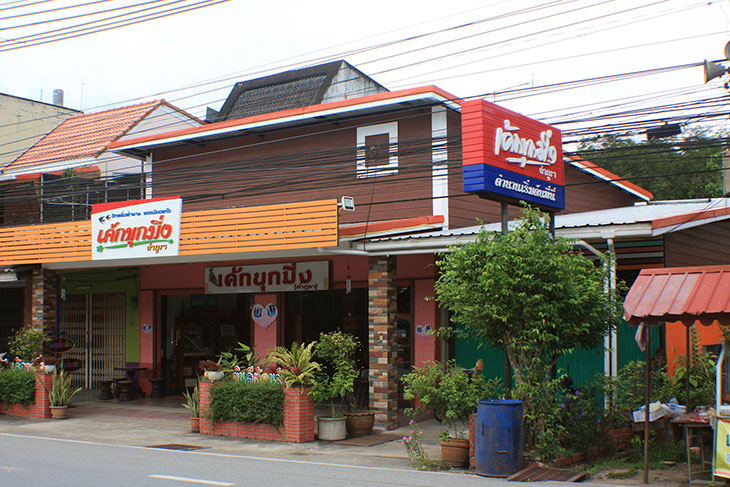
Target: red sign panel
{"x": 511, "y": 155}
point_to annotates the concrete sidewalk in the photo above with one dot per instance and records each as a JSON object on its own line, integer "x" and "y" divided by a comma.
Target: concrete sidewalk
{"x": 154, "y": 422}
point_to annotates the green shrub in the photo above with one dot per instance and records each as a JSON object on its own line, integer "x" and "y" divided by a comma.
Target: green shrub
{"x": 17, "y": 387}
{"x": 630, "y": 386}
{"x": 27, "y": 343}
{"x": 255, "y": 402}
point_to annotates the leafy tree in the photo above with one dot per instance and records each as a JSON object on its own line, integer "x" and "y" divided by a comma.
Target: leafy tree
{"x": 675, "y": 168}
{"x": 532, "y": 295}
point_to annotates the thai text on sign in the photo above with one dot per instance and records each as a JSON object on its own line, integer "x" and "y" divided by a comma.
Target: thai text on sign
{"x": 133, "y": 229}
{"x": 292, "y": 276}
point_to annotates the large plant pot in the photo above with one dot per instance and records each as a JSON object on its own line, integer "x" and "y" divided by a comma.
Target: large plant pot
{"x": 214, "y": 375}
{"x": 331, "y": 429}
{"x": 58, "y": 412}
{"x": 359, "y": 423}
{"x": 195, "y": 425}
{"x": 455, "y": 452}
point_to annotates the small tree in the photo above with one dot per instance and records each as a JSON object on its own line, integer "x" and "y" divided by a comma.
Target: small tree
{"x": 337, "y": 376}
{"x": 534, "y": 296}
{"x": 27, "y": 343}
{"x": 451, "y": 395}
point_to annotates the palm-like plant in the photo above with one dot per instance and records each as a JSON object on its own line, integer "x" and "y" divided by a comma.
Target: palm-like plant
{"x": 193, "y": 401}
{"x": 60, "y": 393}
{"x": 297, "y": 366}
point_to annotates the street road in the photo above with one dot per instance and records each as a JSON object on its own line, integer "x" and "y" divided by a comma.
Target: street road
{"x": 27, "y": 461}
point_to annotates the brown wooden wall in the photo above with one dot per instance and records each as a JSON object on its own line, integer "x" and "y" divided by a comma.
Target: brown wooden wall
{"x": 579, "y": 197}
{"x": 705, "y": 245}
{"x": 319, "y": 162}
{"x": 300, "y": 165}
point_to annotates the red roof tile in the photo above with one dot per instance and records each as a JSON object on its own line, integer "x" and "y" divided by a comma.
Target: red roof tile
{"x": 684, "y": 294}
{"x": 83, "y": 136}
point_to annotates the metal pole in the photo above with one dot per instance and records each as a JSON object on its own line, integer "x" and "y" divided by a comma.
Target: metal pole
{"x": 648, "y": 395}
{"x": 551, "y": 217}
{"x": 505, "y": 218}
{"x": 507, "y": 367}
{"x": 686, "y": 371}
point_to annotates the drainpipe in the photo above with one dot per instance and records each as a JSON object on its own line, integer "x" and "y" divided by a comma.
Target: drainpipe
{"x": 610, "y": 355}
{"x": 612, "y": 289}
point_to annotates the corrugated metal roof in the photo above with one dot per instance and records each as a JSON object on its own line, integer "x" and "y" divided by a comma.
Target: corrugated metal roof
{"x": 684, "y": 294}
{"x": 660, "y": 217}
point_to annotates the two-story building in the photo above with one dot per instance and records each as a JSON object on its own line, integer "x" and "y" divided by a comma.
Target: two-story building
{"x": 245, "y": 236}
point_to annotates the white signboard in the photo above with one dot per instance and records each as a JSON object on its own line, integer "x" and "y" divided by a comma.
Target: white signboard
{"x": 134, "y": 229}
{"x": 292, "y": 276}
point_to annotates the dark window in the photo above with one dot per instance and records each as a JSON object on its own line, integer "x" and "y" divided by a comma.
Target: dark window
{"x": 377, "y": 150}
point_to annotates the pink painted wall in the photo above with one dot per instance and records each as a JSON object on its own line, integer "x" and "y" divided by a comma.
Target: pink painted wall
{"x": 416, "y": 266}
{"x": 265, "y": 338}
{"x": 424, "y": 316}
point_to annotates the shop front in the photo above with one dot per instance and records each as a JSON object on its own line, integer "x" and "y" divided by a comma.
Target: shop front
{"x": 204, "y": 309}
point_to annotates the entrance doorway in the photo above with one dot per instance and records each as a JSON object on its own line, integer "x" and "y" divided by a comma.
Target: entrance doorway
{"x": 96, "y": 325}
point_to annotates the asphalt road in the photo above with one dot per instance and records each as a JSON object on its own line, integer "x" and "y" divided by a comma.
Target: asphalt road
{"x": 30, "y": 461}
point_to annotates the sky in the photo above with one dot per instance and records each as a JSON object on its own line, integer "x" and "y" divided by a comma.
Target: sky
{"x": 510, "y": 45}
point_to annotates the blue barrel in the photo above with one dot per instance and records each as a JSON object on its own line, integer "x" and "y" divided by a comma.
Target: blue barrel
{"x": 498, "y": 437}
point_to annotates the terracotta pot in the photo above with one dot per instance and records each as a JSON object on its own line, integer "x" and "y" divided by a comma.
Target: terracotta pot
{"x": 455, "y": 452}
{"x": 359, "y": 423}
{"x": 195, "y": 425}
{"x": 58, "y": 412}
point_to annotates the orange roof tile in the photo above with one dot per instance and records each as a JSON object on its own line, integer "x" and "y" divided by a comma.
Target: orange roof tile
{"x": 83, "y": 136}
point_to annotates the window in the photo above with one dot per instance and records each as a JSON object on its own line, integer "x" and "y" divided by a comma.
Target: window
{"x": 377, "y": 150}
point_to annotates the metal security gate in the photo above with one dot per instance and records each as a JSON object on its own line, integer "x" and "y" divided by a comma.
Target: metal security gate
{"x": 96, "y": 325}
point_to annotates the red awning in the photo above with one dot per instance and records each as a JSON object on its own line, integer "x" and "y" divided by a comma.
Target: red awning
{"x": 685, "y": 294}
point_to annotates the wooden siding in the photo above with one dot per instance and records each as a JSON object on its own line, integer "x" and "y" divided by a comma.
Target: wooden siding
{"x": 705, "y": 245}
{"x": 271, "y": 227}
{"x": 579, "y": 197}
{"x": 289, "y": 165}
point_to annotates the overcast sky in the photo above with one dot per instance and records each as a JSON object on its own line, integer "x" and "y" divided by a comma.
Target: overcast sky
{"x": 502, "y": 50}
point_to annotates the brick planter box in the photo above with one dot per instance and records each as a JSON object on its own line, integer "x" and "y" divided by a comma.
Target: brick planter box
{"x": 298, "y": 424}
{"x": 39, "y": 409}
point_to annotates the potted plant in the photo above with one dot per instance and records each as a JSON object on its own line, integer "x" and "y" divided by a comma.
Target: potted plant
{"x": 297, "y": 364}
{"x": 334, "y": 380}
{"x": 450, "y": 393}
{"x": 60, "y": 394}
{"x": 211, "y": 370}
{"x": 193, "y": 404}
{"x": 359, "y": 419}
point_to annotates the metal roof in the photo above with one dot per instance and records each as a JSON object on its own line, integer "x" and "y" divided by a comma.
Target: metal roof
{"x": 641, "y": 220}
{"x": 685, "y": 294}
{"x": 336, "y": 110}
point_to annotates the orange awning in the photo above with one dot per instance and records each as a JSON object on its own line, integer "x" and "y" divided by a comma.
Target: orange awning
{"x": 685, "y": 294}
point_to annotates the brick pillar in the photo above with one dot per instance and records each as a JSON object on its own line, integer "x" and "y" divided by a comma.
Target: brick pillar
{"x": 381, "y": 341}
{"x": 298, "y": 415}
{"x": 44, "y": 293}
{"x": 206, "y": 425}
{"x": 41, "y": 408}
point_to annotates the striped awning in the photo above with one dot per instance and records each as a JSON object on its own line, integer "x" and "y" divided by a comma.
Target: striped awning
{"x": 686, "y": 294}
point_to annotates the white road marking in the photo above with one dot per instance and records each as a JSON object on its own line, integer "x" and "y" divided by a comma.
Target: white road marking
{"x": 189, "y": 480}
